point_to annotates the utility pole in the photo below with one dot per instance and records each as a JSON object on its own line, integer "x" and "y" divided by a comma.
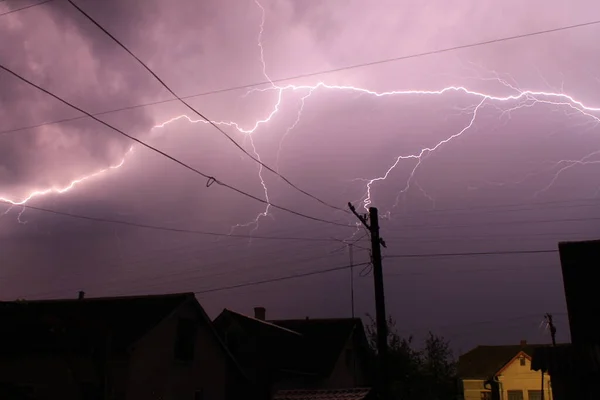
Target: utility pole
{"x": 548, "y": 318}
{"x": 371, "y": 222}
{"x": 351, "y": 253}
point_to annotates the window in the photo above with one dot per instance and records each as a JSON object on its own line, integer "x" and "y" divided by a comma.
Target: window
{"x": 515, "y": 395}
{"x": 535, "y": 394}
{"x": 486, "y": 395}
{"x": 522, "y": 361}
{"x": 186, "y": 337}
{"x": 199, "y": 394}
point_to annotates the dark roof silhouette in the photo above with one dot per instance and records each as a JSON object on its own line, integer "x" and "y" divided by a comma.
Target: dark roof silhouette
{"x": 306, "y": 347}
{"x": 565, "y": 358}
{"x": 50, "y": 325}
{"x": 324, "y": 340}
{"x": 484, "y": 362}
{"x": 323, "y": 394}
{"x": 252, "y": 340}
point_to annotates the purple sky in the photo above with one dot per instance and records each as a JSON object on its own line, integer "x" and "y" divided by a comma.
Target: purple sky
{"x": 481, "y": 191}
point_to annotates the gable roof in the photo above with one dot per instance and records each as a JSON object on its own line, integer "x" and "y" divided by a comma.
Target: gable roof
{"x": 306, "y": 347}
{"x": 484, "y": 362}
{"x": 323, "y": 394}
{"x": 33, "y": 325}
{"x": 251, "y": 340}
{"x": 324, "y": 341}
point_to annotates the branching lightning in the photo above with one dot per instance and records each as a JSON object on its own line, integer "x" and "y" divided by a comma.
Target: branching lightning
{"x": 518, "y": 99}
{"x": 12, "y": 201}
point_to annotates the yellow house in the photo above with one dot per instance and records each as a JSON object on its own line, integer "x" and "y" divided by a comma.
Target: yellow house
{"x": 502, "y": 373}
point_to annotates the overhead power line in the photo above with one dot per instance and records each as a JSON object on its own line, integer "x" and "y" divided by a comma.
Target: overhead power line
{"x": 25, "y": 8}
{"x": 323, "y": 72}
{"x": 509, "y": 207}
{"x": 279, "y": 279}
{"x": 482, "y": 253}
{"x": 168, "y": 229}
{"x": 497, "y": 223}
{"x": 324, "y": 271}
{"x": 198, "y": 113}
{"x": 210, "y": 179}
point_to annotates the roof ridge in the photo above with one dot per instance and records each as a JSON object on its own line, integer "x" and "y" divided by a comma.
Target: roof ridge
{"x": 356, "y": 319}
{"x": 263, "y": 322}
{"x": 88, "y": 299}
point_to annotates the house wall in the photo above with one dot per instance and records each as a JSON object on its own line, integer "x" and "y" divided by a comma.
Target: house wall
{"x": 155, "y": 373}
{"x": 520, "y": 377}
{"x": 344, "y": 374}
{"x": 472, "y": 389}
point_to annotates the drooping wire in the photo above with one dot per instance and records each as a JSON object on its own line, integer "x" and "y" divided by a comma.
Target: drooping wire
{"x": 475, "y": 253}
{"x": 169, "y": 229}
{"x": 279, "y": 279}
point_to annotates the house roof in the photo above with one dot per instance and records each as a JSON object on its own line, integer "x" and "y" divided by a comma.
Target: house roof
{"x": 324, "y": 394}
{"x": 252, "y": 341}
{"x": 324, "y": 340}
{"x": 309, "y": 347}
{"x": 484, "y": 362}
{"x": 34, "y": 325}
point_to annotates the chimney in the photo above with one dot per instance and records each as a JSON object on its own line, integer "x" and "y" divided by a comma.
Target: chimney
{"x": 260, "y": 313}
{"x": 523, "y": 343}
{"x": 81, "y": 295}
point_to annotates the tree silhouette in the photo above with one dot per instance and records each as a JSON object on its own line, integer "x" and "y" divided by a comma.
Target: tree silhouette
{"x": 426, "y": 373}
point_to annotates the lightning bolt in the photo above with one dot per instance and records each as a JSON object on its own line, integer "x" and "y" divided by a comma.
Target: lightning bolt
{"x": 265, "y": 213}
{"x": 256, "y": 220}
{"x": 519, "y": 99}
{"x": 296, "y": 122}
{"x": 60, "y": 190}
{"x": 419, "y": 157}
{"x": 20, "y": 215}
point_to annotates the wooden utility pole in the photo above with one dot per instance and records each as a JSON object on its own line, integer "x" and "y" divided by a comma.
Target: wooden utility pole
{"x": 372, "y": 224}
{"x": 542, "y": 398}
{"x": 351, "y": 253}
{"x": 548, "y": 318}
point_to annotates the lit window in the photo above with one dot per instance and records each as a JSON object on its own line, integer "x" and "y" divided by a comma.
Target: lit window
{"x": 535, "y": 395}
